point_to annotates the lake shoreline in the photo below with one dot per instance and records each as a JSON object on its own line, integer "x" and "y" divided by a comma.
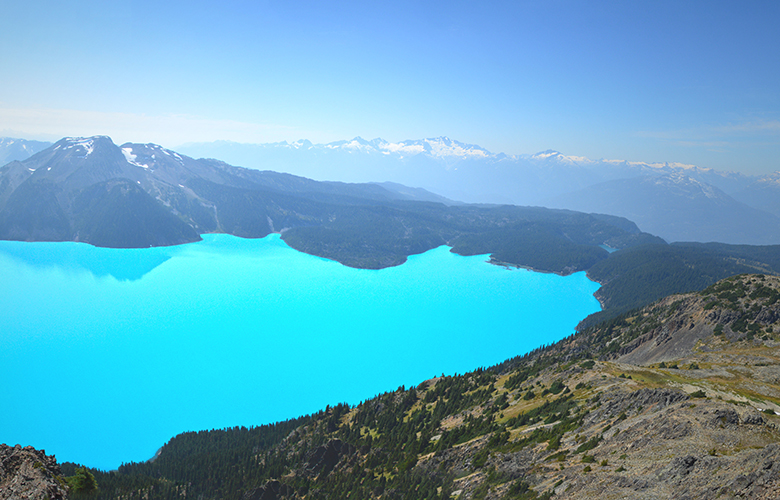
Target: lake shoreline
{"x": 231, "y": 331}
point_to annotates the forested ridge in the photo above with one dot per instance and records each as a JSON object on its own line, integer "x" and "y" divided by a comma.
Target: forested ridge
{"x": 636, "y": 276}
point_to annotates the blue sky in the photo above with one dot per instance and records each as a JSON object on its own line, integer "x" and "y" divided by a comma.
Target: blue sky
{"x": 692, "y": 82}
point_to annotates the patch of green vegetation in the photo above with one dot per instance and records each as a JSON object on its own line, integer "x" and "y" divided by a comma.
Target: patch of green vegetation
{"x": 557, "y": 386}
{"x": 480, "y": 458}
{"x": 589, "y": 444}
{"x": 560, "y": 456}
{"x": 82, "y": 482}
{"x": 521, "y": 490}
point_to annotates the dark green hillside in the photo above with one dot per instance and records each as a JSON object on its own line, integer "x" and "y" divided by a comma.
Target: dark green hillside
{"x": 33, "y": 213}
{"x": 371, "y": 237}
{"x": 636, "y": 276}
{"x": 761, "y": 258}
{"x": 118, "y": 213}
{"x": 532, "y": 244}
{"x": 381, "y": 235}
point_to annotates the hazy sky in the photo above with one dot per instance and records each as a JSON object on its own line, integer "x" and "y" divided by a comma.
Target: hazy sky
{"x": 694, "y": 82}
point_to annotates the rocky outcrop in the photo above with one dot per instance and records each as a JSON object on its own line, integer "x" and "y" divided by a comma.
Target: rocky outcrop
{"x": 325, "y": 458}
{"x": 672, "y": 328}
{"x": 272, "y": 490}
{"x": 27, "y": 473}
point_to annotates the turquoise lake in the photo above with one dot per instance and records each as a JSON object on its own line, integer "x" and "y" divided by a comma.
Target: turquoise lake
{"x": 106, "y": 354}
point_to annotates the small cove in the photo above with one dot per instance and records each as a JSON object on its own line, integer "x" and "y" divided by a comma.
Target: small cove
{"x": 109, "y": 353}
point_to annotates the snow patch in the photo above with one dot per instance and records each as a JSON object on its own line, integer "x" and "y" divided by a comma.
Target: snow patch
{"x": 547, "y": 154}
{"x": 402, "y": 148}
{"x": 130, "y": 157}
{"x": 87, "y": 144}
{"x": 444, "y": 146}
{"x": 171, "y": 154}
{"x": 357, "y": 145}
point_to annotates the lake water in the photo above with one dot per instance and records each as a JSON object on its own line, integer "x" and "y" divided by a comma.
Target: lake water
{"x": 106, "y": 354}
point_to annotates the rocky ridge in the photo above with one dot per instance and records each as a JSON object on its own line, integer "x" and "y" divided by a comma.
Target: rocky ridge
{"x": 27, "y": 473}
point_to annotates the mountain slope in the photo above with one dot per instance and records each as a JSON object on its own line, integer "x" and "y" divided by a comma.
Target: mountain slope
{"x": 84, "y": 190}
{"x": 19, "y": 149}
{"x": 137, "y": 195}
{"x": 677, "y": 400}
{"x": 677, "y": 208}
{"x": 763, "y": 193}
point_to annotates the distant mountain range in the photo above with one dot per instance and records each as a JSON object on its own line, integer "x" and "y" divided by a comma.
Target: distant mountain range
{"x": 679, "y": 204}
{"x": 464, "y": 172}
{"x": 675, "y": 201}
{"x": 137, "y": 195}
{"x": 19, "y": 149}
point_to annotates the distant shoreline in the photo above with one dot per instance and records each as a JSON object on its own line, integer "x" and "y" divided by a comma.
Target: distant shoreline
{"x": 509, "y": 265}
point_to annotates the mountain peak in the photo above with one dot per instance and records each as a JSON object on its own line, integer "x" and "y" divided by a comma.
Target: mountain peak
{"x": 83, "y": 148}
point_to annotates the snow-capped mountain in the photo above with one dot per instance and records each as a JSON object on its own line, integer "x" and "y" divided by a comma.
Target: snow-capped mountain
{"x": 451, "y": 168}
{"x": 137, "y": 195}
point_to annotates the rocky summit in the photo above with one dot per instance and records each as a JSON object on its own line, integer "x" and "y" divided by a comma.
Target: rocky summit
{"x": 27, "y": 473}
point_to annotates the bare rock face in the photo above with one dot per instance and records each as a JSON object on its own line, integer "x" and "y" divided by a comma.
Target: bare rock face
{"x": 272, "y": 490}
{"x": 27, "y": 473}
{"x": 325, "y": 458}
